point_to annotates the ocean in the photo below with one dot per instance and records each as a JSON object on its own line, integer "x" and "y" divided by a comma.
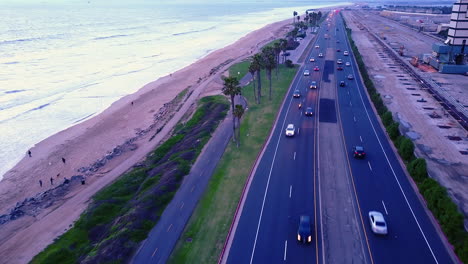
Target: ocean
{"x": 61, "y": 64}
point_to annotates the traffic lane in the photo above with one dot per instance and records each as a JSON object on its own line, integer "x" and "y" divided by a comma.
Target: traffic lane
{"x": 277, "y": 224}
{"x": 302, "y": 194}
{"x": 255, "y": 197}
{"x": 374, "y": 187}
{"x": 422, "y": 218}
{"x": 406, "y": 189}
{"x": 243, "y": 240}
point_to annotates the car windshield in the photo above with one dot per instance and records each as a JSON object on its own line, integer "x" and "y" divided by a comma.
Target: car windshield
{"x": 382, "y": 224}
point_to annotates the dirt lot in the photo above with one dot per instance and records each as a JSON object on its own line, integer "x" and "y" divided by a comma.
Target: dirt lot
{"x": 400, "y": 92}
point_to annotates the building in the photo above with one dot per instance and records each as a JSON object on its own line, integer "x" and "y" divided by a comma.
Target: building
{"x": 450, "y": 57}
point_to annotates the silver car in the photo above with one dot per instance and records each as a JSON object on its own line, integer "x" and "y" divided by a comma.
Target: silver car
{"x": 377, "y": 222}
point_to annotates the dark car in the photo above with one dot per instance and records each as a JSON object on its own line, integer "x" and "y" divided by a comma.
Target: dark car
{"x": 342, "y": 84}
{"x": 308, "y": 111}
{"x": 297, "y": 94}
{"x": 338, "y": 50}
{"x": 358, "y": 152}
{"x": 304, "y": 233}
{"x": 339, "y": 68}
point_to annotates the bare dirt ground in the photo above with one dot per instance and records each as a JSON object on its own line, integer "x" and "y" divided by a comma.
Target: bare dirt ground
{"x": 400, "y": 93}
{"x": 140, "y": 120}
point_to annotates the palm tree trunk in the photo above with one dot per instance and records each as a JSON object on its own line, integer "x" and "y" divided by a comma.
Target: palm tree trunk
{"x": 277, "y": 65}
{"x": 233, "y": 119}
{"x": 254, "y": 91}
{"x": 269, "y": 78}
{"x": 238, "y": 132}
{"x": 259, "y": 86}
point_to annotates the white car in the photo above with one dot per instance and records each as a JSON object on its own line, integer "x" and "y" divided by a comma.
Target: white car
{"x": 348, "y": 63}
{"x": 339, "y": 61}
{"x": 317, "y": 46}
{"x": 290, "y": 129}
{"x": 306, "y": 73}
{"x": 346, "y": 53}
{"x": 377, "y": 222}
{"x": 312, "y": 59}
{"x": 320, "y": 55}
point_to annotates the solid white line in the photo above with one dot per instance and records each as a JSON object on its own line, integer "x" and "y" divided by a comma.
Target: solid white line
{"x": 360, "y": 138}
{"x": 394, "y": 175}
{"x": 370, "y": 167}
{"x": 354, "y": 117}
{"x": 294, "y": 155}
{"x": 350, "y": 104}
{"x": 290, "y": 190}
{"x": 384, "y": 207}
{"x": 298, "y": 130}
{"x": 285, "y": 248}
{"x": 268, "y": 182}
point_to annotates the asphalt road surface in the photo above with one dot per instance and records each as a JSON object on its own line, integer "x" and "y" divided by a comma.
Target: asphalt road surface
{"x": 314, "y": 173}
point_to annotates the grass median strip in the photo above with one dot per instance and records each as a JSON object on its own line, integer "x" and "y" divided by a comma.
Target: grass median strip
{"x": 206, "y": 231}
{"x": 121, "y": 215}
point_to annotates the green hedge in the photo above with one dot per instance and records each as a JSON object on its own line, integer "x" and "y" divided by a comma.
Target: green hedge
{"x": 438, "y": 201}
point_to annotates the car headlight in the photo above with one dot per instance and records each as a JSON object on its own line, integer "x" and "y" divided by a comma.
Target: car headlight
{"x": 309, "y": 239}
{"x": 299, "y": 237}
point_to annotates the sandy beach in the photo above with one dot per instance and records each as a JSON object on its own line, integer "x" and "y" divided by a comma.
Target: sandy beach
{"x": 138, "y": 117}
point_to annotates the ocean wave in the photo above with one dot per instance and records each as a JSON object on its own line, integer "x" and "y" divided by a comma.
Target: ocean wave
{"x": 83, "y": 118}
{"x": 39, "y": 107}
{"x": 21, "y": 40}
{"x": 11, "y": 62}
{"x": 6, "y": 42}
{"x": 109, "y": 37}
{"x": 14, "y": 91}
{"x": 193, "y": 31}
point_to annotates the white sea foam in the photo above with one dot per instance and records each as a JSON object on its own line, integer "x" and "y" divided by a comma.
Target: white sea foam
{"x": 61, "y": 65}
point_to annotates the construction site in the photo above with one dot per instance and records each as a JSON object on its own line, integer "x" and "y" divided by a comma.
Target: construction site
{"x": 423, "y": 81}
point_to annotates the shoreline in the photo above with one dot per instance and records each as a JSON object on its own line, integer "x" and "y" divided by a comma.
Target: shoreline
{"x": 85, "y": 143}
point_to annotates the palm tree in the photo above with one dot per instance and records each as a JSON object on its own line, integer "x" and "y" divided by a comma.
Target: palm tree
{"x": 284, "y": 45}
{"x": 231, "y": 88}
{"x": 258, "y": 61}
{"x": 319, "y": 15}
{"x": 277, "y": 49}
{"x": 294, "y": 17}
{"x": 253, "y": 69}
{"x": 269, "y": 62}
{"x": 238, "y": 112}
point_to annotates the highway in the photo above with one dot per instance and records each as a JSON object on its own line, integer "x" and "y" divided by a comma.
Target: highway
{"x": 315, "y": 174}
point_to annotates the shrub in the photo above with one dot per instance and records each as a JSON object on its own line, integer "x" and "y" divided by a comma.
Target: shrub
{"x": 417, "y": 169}
{"x": 387, "y": 118}
{"x": 393, "y": 131}
{"x": 406, "y": 149}
{"x": 289, "y": 64}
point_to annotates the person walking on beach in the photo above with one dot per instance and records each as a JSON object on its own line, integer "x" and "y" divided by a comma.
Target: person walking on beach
{"x": 29, "y": 153}
{"x": 40, "y": 183}
{"x": 63, "y": 160}
{"x": 51, "y": 181}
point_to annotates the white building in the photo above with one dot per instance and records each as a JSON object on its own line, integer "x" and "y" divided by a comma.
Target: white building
{"x": 458, "y": 29}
